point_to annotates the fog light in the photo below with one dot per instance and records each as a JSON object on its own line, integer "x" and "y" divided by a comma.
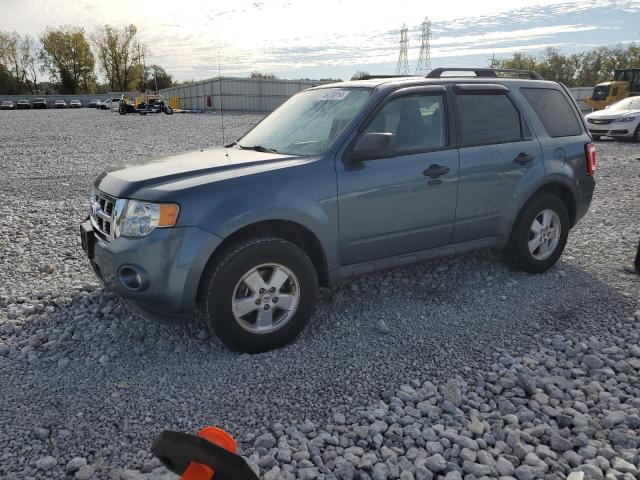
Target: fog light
{"x": 133, "y": 278}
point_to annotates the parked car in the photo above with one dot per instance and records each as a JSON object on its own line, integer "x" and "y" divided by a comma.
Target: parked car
{"x": 93, "y": 103}
{"x": 40, "y": 103}
{"x": 341, "y": 180}
{"x": 75, "y": 103}
{"x": 619, "y": 120}
{"x": 23, "y": 105}
{"x": 109, "y": 104}
{"x": 7, "y": 105}
{"x": 60, "y": 104}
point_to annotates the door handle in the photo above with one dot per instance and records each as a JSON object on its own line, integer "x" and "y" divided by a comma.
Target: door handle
{"x": 435, "y": 171}
{"x": 523, "y": 158}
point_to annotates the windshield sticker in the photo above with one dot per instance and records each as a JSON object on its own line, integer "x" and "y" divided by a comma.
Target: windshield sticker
{"x": 334, "y": 94}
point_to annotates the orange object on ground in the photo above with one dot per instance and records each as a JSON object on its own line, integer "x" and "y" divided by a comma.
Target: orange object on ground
{"x": 217, "y": 436}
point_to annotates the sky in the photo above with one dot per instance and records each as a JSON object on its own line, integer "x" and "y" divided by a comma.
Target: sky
{"x": 334, "y": 38}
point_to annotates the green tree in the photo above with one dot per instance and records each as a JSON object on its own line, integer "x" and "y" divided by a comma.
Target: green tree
{"x": 66, "y": 55}
{"x": 579, "y": 69}
{"x": 262, "y": 76}
{"x": 156, "y": 78}
{"x": 359, "y": 74}
{"x": 118, "y": 54}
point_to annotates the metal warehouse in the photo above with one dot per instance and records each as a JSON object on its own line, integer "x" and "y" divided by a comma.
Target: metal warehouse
{"x": 238, "y": 94}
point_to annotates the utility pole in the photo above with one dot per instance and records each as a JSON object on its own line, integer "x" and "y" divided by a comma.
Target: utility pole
{"x": 424, "y": 61}
{"x": 402, "y": 68}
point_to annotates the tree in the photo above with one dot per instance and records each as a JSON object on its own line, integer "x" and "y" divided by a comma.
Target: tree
{"x": 18, "y": 55}
{"x": 262, "y": 76}
{"x": 28, "y": 54}
{"x": 118, "y": 55}
{"x": 584, "y": 69}
{"x": 359, "y": 74}
{"x": 66, "y": 55}
{"x": 156, "y": 78}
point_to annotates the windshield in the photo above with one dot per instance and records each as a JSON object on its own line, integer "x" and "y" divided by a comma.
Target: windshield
{"x": 631, "y": 103}
{"x": 308, "y": 122}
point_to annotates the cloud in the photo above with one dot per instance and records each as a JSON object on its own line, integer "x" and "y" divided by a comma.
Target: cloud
{"x": 300, "y": 37}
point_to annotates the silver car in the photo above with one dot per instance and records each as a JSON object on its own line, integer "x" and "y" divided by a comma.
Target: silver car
{"x": 619, "y": 120}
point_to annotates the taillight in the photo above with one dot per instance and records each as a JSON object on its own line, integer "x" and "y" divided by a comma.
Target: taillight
{"x": 590, "y": 152}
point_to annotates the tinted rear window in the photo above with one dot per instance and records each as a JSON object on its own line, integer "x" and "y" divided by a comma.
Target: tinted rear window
{"x": 554, "y": 110}
{"x": 488, "y": 119}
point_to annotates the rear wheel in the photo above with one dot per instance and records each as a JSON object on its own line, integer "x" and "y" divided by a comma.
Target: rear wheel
{"x": 636, "y": 135}
{"x": 122, "y": 110}
{"x": 260, "y": 295}
{"x": 539, "y": 235}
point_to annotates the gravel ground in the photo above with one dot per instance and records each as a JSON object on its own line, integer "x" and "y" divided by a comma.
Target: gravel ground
{"x": 458, "y": 368}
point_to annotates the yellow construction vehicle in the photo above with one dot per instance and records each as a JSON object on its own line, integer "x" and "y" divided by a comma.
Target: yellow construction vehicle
{"x": 626, "y": 83}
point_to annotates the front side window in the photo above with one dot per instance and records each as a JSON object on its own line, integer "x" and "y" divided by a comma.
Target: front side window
{"x": 308, "y": 122}
{"x": 556, "y": 114}
{"x": 417, "y": 123}
{"x": 486, "y": 119}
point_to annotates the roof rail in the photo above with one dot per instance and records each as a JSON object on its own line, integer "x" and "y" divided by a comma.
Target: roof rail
{"x": 487, "y": 72}
{"x": 370, "y": 77}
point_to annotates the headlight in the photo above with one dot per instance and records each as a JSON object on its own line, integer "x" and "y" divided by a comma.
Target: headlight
{"x": 141, "y": 218}
{"x": 624, "y": 120}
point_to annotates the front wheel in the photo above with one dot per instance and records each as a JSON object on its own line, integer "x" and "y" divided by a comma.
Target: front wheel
{"x": 122, "y": 110}
{"x": 539, "y": 235}
{"x": 636, "y": 135}
{"x": 260, "y": 295}
{"x": 168, "y": 110}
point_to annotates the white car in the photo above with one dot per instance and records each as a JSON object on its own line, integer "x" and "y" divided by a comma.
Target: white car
{"x": 109, "y": 104}
{"x": 619, "y": 120}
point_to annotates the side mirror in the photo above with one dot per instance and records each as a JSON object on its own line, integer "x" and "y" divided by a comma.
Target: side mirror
{"x": 370, "y": 146}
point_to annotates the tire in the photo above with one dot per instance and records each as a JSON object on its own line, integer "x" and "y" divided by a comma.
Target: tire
{"x": 168, "y": 110}
{"x": 636, "y": 135}
{"x": 224, "y": 286}
{"x": 518, "y": 254}
{"x": 122, "y": 110}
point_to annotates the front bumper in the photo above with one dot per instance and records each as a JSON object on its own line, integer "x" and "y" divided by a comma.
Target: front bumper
{"x": 610, "y": 130}
{"x": 170, "y": 262}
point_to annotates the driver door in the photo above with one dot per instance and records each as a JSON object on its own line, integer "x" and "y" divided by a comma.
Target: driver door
{"x": 406, "y": 201}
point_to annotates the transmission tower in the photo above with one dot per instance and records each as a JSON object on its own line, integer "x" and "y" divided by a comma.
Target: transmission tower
{"x": 424, "y": 62}
{"x": 403, "y": 63}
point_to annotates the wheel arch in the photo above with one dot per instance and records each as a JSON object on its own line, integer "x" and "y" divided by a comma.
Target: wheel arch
{"x": 288, "y": 230}
{"x": 562, "y": 191}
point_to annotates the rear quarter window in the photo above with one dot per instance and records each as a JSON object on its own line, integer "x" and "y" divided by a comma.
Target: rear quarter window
{"x": 554, "y": 111}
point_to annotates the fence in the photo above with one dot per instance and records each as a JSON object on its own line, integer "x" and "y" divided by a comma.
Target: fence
{"x": 85, "y": 98}
{"x": 580, "y": 94}
{"x": 238, "y": 94}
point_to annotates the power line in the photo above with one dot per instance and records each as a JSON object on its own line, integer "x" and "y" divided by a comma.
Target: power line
{"x": 424, "y": 61}
{"x": 403, "y": 62}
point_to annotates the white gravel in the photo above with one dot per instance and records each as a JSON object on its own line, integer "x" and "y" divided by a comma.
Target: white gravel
{"x": 451, "y": 369}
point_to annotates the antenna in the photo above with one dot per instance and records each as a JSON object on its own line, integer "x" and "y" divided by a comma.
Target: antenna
{"x": 220, "y": 91}
{"x": 402, "y": 68}
{"x": 424, "y": 61}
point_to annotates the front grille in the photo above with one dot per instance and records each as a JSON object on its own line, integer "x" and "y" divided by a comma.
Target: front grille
{"x": 599, "y": 121}
{"x": 597, "y": 131}
{"x": 102, "y": 213}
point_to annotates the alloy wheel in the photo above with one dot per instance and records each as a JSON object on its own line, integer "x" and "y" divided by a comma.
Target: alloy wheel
{"x": 265, "y": 298}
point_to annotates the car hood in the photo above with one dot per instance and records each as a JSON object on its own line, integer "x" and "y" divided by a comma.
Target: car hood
{"x": 176, "y": 172}
{"x": 608, "y": 114}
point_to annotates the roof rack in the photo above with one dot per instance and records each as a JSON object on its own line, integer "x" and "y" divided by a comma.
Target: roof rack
{"x": 487, "y": 72}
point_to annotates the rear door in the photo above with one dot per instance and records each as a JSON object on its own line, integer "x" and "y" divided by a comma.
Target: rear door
{"x": 406, "y": 201}
{"x": 498, "y": 154}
